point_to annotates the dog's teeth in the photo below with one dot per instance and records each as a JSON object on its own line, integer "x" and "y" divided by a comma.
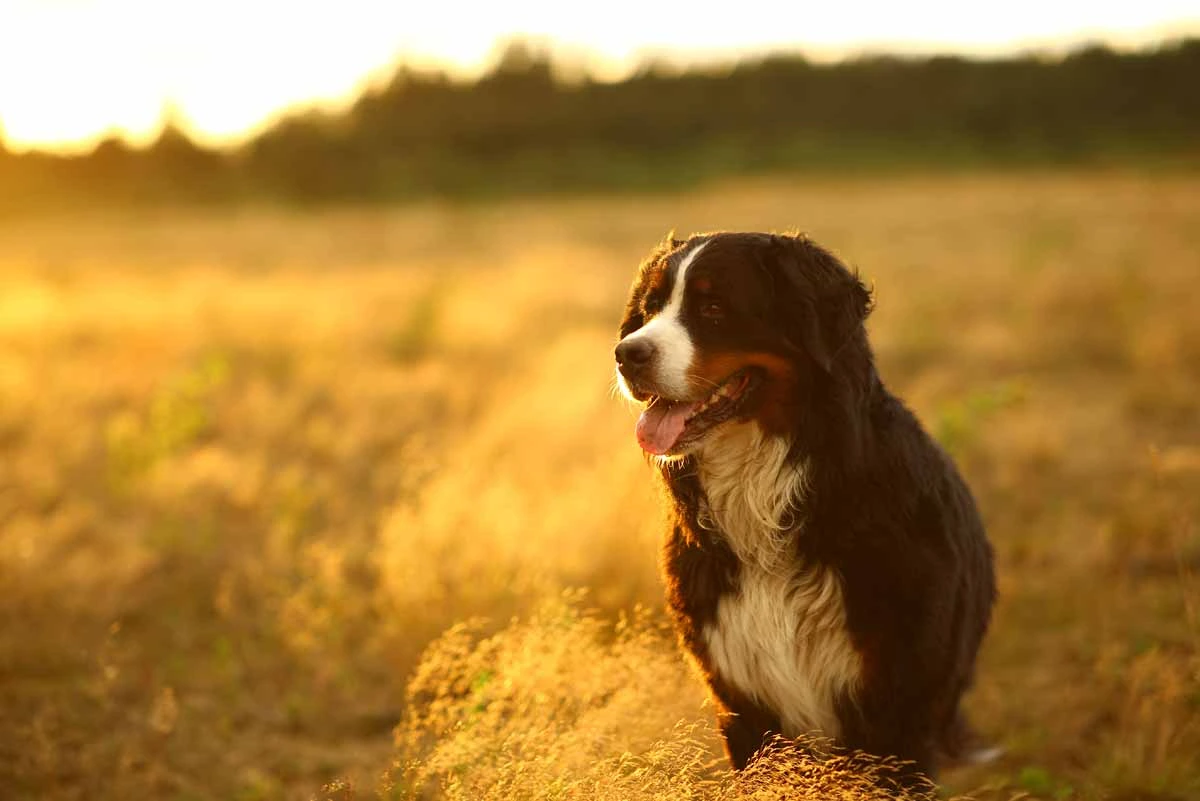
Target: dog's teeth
{"x": 722, "y": 393}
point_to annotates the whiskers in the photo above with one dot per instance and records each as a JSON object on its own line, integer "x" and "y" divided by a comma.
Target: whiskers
{"x": 706, "y": 383}
{"x": 619, "y": 390}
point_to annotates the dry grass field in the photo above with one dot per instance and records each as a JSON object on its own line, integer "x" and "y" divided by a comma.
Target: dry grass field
{"x": 340, "y": 503}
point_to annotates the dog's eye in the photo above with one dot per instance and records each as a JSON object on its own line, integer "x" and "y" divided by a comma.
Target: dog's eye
{"x": 711, "y": 310}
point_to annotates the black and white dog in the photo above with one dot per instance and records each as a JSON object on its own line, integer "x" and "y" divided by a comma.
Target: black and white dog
{"x": 826, "y": 566}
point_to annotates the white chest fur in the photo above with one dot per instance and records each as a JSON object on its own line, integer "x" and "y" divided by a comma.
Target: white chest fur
{"x": 781, "y": 638}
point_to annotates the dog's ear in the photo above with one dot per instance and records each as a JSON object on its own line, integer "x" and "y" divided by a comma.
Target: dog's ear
{"x": 823, "y": 304}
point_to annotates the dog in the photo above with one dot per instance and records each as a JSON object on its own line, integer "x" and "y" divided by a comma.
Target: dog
{"x": 825, "y": 565}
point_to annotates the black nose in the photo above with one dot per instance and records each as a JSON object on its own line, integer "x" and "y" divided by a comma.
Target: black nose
{"x": 634, "y": 353}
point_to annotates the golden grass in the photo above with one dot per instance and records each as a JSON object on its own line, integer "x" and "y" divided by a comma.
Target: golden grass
{"x": 543, "y": 710}
{"x": 252, "y": 465}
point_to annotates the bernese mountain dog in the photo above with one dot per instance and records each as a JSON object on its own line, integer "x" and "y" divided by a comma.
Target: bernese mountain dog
{"x": 825, "y": 564}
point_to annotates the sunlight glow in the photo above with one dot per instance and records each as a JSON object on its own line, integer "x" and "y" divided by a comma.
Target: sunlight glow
{"x": 73, "y": 71}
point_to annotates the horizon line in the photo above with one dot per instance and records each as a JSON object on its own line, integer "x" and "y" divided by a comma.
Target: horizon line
{"x": 573, "y": 64}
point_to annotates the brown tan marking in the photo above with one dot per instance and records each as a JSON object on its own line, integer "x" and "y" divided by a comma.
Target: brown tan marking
{"x": 773, "y": 398}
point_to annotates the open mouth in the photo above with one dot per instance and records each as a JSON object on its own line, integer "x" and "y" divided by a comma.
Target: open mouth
{"x": 668, "y": 426}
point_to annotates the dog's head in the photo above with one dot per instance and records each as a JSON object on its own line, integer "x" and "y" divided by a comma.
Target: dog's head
{"x": 734, "y": 326}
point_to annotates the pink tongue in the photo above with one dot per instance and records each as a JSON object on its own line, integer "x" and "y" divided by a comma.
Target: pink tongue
{"x": 661, "y": 424}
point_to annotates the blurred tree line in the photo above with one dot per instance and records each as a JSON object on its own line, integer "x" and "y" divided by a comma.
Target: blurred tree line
{"x": 525, "y": 127}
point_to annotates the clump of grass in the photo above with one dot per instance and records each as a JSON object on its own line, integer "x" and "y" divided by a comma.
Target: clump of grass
{"x": 417, "y": 334}
{"x": 958, "y": 423}
{"x": 566, "y": 704}
{"x": 178, "y": 415}
{"x": 1156, "y": 689}
{"x": 1042, "y": 784}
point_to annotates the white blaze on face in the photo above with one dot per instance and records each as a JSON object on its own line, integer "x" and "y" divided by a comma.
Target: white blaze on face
{"x": 666, "y": 332}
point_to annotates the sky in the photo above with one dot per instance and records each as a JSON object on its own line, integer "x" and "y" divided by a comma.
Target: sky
{"x": 74, "y": 71}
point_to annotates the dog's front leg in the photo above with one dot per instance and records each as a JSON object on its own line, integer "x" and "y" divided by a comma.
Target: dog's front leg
{"x": 745, "y": 727}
